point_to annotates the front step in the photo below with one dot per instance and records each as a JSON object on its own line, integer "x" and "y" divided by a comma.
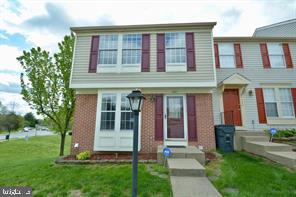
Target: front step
{"x": 185, "y": 167}
{"x": 255, "y": 138}
{"x": 191, "y": 152}
{"x": 260, "y": 148}
{"x": 286, "y": 158}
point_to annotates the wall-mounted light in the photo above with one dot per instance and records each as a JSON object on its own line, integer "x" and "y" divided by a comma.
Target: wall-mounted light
{"x": 151, "y": 98}
{"x": 76, "y": 145}
{"x": 250, "y": 92}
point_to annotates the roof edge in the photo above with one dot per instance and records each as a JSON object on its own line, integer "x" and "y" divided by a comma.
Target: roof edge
{"x": 274, "y": 25}
{"x": 254, "y": 39}
{"x": 142, "y": 27}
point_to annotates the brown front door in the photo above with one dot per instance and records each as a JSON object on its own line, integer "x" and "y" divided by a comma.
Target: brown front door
{"x": 231, "y": 103}
{"x": 175, "y": 117}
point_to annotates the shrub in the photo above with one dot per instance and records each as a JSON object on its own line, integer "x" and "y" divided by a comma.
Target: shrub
{"x": 85, "y": 155}
{"x": 284, "y": 133}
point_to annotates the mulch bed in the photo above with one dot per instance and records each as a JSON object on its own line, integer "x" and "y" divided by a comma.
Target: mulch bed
{"x": 98, "y": 158}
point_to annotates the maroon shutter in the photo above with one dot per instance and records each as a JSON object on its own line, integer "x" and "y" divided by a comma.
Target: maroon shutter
{"x": 191, "y": 116}
{"x": 217, "y": 61}
{"x": 260, "y": 105}
{"x": 238, "y": 55}
{"x": 158, "y": 117}
{"x": 93, "y": 59}
{"x": 287, "y": 54}
{"x": 264, "y": 54}
{"x": 145, "y": 65}
{"x": 191, "y": 66}
{"x": 293, "y": 90}
{"x": 161, "y": 52}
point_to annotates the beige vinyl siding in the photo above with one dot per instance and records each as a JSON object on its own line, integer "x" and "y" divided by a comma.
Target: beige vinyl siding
{"x": 204, "y": 70}
{"x": 259, "y": 77}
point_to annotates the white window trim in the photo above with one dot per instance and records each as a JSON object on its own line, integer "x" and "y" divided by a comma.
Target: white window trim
{"x": 117, "y": 134}
{"x": 175, "y": 141}
{"x": 233, "y": 56}
{"x": 176, "y": 67}
{"x": 278, "y": 104}
{"x": 282, "y": 54}
{"x": 119, "y": 67}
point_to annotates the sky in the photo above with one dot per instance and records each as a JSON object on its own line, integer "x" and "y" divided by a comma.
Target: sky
{"x": 30, "y": 23}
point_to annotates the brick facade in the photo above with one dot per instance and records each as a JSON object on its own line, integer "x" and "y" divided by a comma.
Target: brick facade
{"x": 148, "y": 143}
{"x": 204, "y": 122}
{"x": 85, "y": 121}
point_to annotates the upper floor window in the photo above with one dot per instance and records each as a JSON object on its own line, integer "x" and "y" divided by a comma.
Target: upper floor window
{"x": 175, "y": 48}
{"x": 276, "y": 55}
{"x": 226, "y": 55}
{"x": 131, "y": 49}
{"x": 108, "y": 49}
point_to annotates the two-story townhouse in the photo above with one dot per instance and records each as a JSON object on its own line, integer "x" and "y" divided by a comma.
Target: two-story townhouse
{"x": 256, "y": 82}
{"x": 172, "y": 64}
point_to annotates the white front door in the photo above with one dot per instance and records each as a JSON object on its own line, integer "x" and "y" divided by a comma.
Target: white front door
{"x": 114, "y": 124}
{"x": 175, "y": 120}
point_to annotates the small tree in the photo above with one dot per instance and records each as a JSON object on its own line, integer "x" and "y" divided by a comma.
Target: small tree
{"x": 10, "y": 122}
{"x": 3, "y": 109}
{"x": 30, "y": 119}
{"x": 47, "y": 89}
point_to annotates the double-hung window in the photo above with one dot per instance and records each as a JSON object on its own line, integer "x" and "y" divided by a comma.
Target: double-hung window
{"x": 175, "y": 48}
{"x": 286, "y": 102}
{"x": 108, "y": 111}
{"x": 278, "y": 102}
{"x": 226, "y": 55}
{"x": 270, "y": 102}
{"x": 116, "y": 114}
{"x": 126, "y": 115}
{"x": 276, "y": 55}
{"x": 131, "y": 49}
{"x": 108, "y": 49}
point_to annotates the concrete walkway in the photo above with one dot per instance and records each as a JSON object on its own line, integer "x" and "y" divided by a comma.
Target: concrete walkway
{"x": 193, "y": 187}
{"x": 187, "y": 175}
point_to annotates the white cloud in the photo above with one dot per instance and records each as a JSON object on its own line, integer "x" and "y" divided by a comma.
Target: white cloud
{"x": 14, "y": 102}
{"x": 8, "y": 79}
{"x": 8, "y": 58}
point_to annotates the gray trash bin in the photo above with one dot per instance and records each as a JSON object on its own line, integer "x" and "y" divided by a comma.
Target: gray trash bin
{"x": 224, "y": 137}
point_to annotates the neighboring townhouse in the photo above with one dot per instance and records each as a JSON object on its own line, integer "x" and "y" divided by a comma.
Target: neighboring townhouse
{"x": 281, "y": 29}
{"x": 191, "y": 82}
{"x": 256, "y": 82}
{"x": 172, "y": 64}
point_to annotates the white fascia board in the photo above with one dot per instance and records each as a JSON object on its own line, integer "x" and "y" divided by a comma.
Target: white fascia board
{"x": 146, "y": 85}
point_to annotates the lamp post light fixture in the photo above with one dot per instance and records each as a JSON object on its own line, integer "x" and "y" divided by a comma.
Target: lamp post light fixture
{"x": 135, "y": 99}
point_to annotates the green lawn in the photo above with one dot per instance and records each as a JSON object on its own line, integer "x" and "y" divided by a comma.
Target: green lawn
{"x": 31, "y": 163}
{"x": 250, "y": 175}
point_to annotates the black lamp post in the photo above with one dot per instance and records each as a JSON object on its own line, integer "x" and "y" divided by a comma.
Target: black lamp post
{"x": 135, "y": 99}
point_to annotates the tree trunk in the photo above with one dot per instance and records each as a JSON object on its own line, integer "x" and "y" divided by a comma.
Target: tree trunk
{"x": 62, "y": 145}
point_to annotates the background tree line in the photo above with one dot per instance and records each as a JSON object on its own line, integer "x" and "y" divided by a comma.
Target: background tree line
{"x": 10, "y": 121}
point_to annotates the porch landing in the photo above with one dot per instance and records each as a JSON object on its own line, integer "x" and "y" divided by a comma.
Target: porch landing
{"x": 183, "y": 152}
